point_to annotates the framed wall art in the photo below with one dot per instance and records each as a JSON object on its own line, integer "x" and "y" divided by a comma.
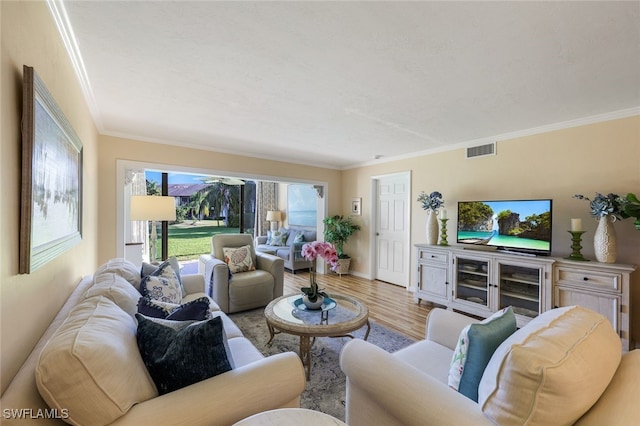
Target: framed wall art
{"x": 356, "y": 206}
{"x": 51, "y": 196}
{"x": 302, "y": 207}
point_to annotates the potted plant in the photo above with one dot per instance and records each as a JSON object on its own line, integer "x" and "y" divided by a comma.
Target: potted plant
{"x": 630, "y": 207}
{"x": 313, "y": 296}
{"x": 337, "y": 230}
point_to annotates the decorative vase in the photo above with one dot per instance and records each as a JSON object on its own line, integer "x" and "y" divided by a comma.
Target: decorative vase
{"x": 432, "y": 227}
{"x": 313, "y": 305}
{"x": 604, "y": 240}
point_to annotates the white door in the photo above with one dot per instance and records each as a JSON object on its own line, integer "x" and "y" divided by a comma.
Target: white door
{"x": 392, "y": 229}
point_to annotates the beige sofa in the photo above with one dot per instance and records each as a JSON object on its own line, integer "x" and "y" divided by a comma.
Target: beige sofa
{"x": 564, "y": 367}
{"x": 86, "y": 369}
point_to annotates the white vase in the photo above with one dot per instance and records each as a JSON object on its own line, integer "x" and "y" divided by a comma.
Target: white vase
{"x": 604, "y": 240}
{"x": 432, "y": 227}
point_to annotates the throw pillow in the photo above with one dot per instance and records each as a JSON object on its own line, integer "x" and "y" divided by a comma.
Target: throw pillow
{"x": 185, "y": 354}
{"x": 278, "y": 238}
{"x": 165, "y": 288}
{"x": 197, "y": 309}
{"x": 269, "y": 237}
{"x": 476, "y": 345}
{"x": 159, "y": 270}
{"x": 239, "y": 259}
{"x": 551, "y": 371}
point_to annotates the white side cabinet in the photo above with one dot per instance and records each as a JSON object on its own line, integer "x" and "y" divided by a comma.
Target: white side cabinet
{"x": 433, "y": 276}
{"x": 481, "y": 282}
{"x": 602, "y": 287}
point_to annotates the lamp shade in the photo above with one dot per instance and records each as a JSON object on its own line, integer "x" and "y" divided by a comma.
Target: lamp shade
{"x": 274, "y": 216}
{"x": 152, "y": 207}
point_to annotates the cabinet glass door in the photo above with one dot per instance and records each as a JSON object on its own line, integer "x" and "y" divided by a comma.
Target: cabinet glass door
{"x": 520, "y": 288}
{"x": 472, "y": 281}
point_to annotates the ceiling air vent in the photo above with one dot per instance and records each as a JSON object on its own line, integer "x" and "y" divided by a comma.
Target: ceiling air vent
{"x": 481, "y": 150}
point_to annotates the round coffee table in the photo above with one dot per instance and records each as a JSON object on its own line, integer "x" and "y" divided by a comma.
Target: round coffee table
{"x": 286, "y": 315}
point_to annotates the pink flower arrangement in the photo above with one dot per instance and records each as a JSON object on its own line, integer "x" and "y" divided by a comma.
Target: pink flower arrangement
{"x": 311, "y": 251}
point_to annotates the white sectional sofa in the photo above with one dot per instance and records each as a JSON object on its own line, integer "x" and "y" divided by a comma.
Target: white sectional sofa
{"x": 87, "y": 369}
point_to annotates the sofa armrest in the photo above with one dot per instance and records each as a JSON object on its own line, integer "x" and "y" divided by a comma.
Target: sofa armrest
{"x": 194, "y": 283}
{"x": 444, "y": 326}
{"x": 275, "y": 266}
{"x": 216, "y": 277}
{"x": 381, "y": 389}
{"x": 273, "y": 382}
{"x": 260, "y": 240}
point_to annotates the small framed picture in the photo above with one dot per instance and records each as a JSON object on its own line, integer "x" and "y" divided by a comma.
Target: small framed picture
{"x": 356, "y": 206}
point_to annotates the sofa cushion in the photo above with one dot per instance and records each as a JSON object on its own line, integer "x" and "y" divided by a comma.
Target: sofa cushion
{"x": 238, "y": 259}
{"x": 157, "y": 270}
{"x": 91, "y": 366}
{"x": 476, "y": 345}
{"x": 196, "y": 310}
{"x": 117, "y": 289}
{"x": 185, "y": 353}
{"x": 552, "y": 370}
{"x": 122, "y": 267}
{"x": 277, "y": 238}
{"x": 164, "y": 287}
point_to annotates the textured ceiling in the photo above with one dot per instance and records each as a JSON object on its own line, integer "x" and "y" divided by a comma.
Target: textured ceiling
{"x": 337, "y": 83}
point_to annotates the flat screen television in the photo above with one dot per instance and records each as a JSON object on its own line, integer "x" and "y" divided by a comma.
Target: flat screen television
{"x": 521, "y": 226}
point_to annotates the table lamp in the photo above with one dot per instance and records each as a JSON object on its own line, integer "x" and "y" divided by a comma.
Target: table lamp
{"x": 153, "y": 208}
{"x": 274, "y": 217}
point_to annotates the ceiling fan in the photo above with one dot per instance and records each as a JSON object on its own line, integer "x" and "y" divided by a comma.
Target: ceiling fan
{"x": 223, "y": 180}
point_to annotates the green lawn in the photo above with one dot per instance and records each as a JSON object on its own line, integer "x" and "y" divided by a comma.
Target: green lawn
{"x": 188, "y": 241}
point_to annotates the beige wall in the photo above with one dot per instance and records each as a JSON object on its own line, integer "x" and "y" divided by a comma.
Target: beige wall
{"x": 112, "y": 149}
{"x": 603, "y": 157}
{"x": 29, "y": 302}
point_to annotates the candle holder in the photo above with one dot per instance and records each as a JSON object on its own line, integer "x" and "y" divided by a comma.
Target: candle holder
{"x": 576, "y": 239}
{"x": 443, "y": 232}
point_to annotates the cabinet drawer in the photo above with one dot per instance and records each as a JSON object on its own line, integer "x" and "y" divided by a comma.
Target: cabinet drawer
{"x": 599, "y": 280}
{"x": 432, "y": 256}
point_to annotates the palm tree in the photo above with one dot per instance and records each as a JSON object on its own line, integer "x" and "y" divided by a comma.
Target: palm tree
{"x": 152, "y": 187}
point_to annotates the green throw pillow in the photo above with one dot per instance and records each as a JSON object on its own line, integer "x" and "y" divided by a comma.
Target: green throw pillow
{"x": 476, "y": 345}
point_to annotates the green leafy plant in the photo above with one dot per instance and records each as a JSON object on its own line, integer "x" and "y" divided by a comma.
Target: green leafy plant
{"x": 337, "y": 230}
{"x": 630, "y": 207}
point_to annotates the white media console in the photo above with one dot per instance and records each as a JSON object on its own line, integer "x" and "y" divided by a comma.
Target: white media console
{"x": 480, "y": 282}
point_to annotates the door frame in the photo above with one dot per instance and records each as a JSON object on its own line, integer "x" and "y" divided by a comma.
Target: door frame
{"x": 373, "y": 208}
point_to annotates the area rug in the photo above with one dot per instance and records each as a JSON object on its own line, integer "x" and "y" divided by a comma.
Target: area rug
{"x": 325, "y": 391}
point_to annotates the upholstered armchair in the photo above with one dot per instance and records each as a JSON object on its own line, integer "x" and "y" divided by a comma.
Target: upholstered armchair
{"x": 246, "y": 279}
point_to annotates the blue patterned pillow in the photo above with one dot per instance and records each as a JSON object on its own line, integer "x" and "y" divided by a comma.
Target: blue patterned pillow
{"x": 159, "y": 270}
{"x": 197, "y": 309}
{"x": 278, "y": 238}
{"x": 165, "y": 288}
{"x": 183, "y": 353}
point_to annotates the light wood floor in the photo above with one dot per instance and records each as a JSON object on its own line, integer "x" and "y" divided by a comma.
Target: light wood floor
{"x": 389, "y": 305}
